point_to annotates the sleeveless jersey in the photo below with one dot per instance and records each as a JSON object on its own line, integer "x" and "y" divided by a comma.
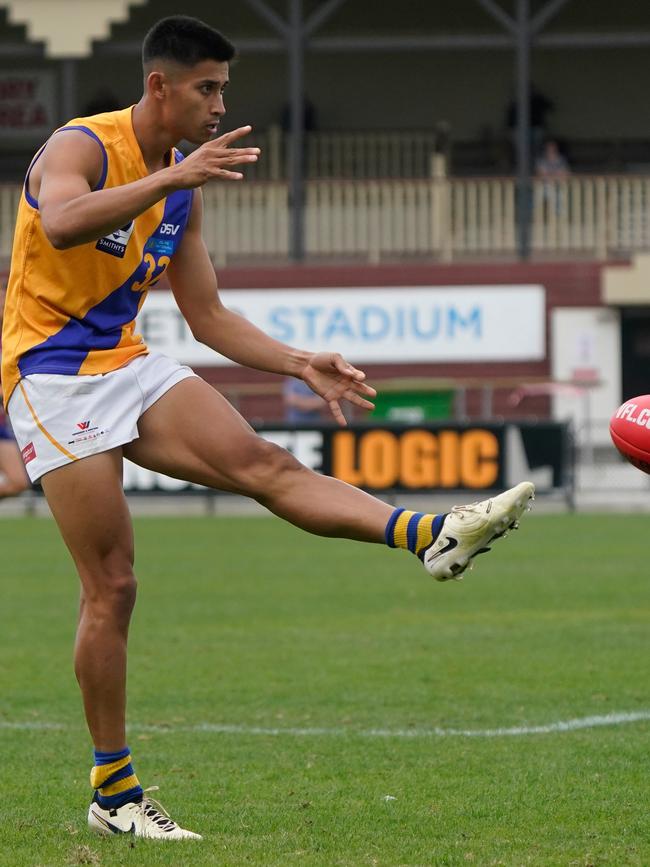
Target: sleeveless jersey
{"x": 73, "y": 311}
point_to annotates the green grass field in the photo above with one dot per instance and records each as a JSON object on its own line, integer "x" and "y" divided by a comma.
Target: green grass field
{"x": 252, "y": 625}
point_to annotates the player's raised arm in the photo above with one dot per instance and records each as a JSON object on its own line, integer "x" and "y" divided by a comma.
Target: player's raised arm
{"x": 73, "y": 212}
{"x": 194, "y": 284}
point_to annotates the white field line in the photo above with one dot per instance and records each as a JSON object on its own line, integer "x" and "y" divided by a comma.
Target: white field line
{"x": 570, "y": 725}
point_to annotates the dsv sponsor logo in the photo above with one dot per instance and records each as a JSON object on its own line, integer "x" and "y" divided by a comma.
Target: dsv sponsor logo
{"x": 168, "y": 229}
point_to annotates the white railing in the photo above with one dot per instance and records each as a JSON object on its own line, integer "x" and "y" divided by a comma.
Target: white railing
{"x": 606, "y": 214}
{"x": 369, "y": 155}
{"x": 445, "y": 218}
{"x": 346, "y": 154}
{"x": 245, "y": 220}
{"x": 441, "y": 218}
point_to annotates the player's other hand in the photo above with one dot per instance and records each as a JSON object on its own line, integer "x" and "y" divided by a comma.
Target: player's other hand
{"x": 333, "y": 378}
{"x": 215, "y": 160}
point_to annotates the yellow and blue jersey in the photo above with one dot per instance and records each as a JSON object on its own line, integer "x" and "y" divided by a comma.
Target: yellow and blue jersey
{"x": 73, "y": 311}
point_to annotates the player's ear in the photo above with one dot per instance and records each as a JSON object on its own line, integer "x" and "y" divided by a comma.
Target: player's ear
{"x": 156, "y": 84}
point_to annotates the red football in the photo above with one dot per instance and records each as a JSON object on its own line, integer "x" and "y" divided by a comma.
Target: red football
{"x": 630, "y": 431}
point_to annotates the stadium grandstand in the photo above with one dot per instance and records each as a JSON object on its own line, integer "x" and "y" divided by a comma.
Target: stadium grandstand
{"x": 406, "y": 153}
{"x": 451, "y": 197}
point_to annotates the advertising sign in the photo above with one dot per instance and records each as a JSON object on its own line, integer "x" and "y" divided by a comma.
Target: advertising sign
{"x": 400, "y": 324}
{"x": 28, "y": 104}
{"x": 427, "y": 458}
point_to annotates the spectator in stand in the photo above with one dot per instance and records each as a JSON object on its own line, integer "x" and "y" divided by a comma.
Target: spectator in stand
{"x": 551, "y": 167}
{"x": 301, "y": 405}
{"x": 13, "y": 478}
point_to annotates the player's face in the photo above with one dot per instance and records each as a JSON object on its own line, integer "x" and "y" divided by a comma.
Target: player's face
{"x": 195, "y": 101}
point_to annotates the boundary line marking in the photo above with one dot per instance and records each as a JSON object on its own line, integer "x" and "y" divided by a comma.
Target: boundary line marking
{"x": 557, "y": 727}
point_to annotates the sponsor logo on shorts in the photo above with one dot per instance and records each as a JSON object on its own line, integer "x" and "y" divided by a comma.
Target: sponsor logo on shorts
{"x": 83, "y": 427}
{"x": 28, "y": 453}
{"x": 85, "y": 433}
{"x": 116, "y": 242}
{"x": 88, "y": 438}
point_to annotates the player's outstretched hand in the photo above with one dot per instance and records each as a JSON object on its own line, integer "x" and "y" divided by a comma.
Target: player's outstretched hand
{"x": 215, "y": 160}
{"x": 333, "y": 378}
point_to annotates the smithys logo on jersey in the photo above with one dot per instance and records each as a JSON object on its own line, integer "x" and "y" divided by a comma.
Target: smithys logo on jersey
{"x": 116, "y": 242}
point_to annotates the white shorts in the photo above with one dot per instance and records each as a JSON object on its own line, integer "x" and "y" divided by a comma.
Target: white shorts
{"x": 59, "y": 419}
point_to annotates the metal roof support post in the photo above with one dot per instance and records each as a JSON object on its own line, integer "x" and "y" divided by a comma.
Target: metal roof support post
{"x": 499, "y": 14}
{"x": 295, "y": 33}
{"x": 546, "y": 14}
{"x": 296, "y": 44}
{"x": 524, "y": 187}
{"x": 269, "y": 15}
{"x": 320, "y": 16}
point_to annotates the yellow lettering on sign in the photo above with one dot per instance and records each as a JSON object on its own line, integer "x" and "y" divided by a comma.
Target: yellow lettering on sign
{"x": 419, "y": 459}
{"x": 379, "y": 459}
{"x": 478, "y": 459}
{"x": 448, "y": 443}
{"x": 344, "y": 458}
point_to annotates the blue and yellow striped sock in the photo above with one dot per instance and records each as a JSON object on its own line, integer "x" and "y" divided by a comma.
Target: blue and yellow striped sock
{"x": 415, "y": 531}
{"x": 114, "y": 779}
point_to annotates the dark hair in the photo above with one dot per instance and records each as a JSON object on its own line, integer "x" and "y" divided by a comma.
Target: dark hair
{"x": 187, "y": 41}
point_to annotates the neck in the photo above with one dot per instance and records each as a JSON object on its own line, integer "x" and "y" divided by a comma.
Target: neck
{"x": 155, "y": 141}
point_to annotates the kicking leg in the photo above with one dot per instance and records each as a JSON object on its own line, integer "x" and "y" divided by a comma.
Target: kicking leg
{"x": 222, "y": 451}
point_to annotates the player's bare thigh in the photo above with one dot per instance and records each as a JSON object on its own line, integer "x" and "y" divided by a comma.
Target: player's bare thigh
{"x": 193, "y": 433}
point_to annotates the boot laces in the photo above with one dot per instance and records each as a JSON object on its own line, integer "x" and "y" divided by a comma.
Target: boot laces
{"x": 461, "y": 511}
{"x": 153, "y": 811}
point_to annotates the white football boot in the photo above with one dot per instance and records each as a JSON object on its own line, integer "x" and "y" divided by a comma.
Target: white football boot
{"x": 145, "y": 818}
{"x": 469, "y": 530}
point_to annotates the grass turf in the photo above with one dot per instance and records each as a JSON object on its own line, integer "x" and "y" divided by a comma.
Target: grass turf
{"x": 251, "y": 623}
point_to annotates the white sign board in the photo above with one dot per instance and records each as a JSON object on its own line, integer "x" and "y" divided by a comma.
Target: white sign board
{"x": 27, "y": 104}
{"x": 400, "y": 324}
{"x": 587, "y": 348}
